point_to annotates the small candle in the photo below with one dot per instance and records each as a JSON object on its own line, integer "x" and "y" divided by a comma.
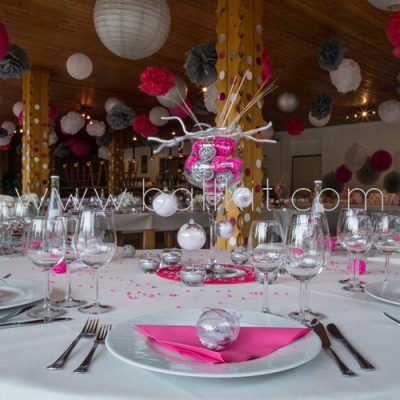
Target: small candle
{"x": 149, "y": 265}
{"x": 171, "y": 256}
{"x": 193, "y": 275}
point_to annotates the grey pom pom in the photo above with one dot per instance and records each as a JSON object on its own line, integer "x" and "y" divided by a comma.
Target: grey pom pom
{"x": 199, "y": 108}
{"x": 330, "y": 181}
{"x": 3, "y": 132}
{"x": 321, "y": 106}
{"x": 391, "y": 182}
{"x": 330, "y": 55}
{"x": 366, "y": 175}
{"x": 62, "y": 150}
{"x": 200, "y": 64}
{"x": 120, "y": 116}
{"x": 15, "y": 63}
{"x": 104, "y": 140}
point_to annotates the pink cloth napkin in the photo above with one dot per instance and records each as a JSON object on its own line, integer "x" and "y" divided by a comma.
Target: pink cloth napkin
{"x": 252, "y": 342}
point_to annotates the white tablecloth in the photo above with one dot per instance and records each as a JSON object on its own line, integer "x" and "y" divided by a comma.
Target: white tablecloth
{"x": 25, "y": 351}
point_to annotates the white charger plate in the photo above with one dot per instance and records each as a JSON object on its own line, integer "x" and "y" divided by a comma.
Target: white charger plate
{"x": 130, "y": 346}
{"x": 19, "y": 292}
{"x": 389, "y": 292}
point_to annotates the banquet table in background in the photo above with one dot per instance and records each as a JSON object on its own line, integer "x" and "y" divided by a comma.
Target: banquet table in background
{"x": 26, "y": 351}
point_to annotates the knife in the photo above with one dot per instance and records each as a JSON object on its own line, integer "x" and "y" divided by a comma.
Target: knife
{"x": 335, "y": 332}
{"x": 326, "y": 344}
{"x": 33, "y": 322}
{"x": 15, "y": 313}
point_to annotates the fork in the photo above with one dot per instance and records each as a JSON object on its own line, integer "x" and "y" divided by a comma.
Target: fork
{"x": 88, "y": 330}
{"x": 100, "y": 338}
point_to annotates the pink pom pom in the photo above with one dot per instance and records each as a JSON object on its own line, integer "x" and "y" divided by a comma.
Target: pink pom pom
{"x": 352, "y": 266}
{"x": 393, "y": 29}
{"x": 222, "y": 164}
{"x": 196, "y": 146}
{"x": 381, "y": 161}
{"x": 182, "y": 110}
{"x": 52, "y": 113}
{"x": 156, "y": 81}
{"x": 79, "y": 147}
{"x": 21, "y": 118}
{"x": 190, "y": 161}
{"x": 224, "y": 146}
{"x": 143, "y": 126}
{"x": 4, "y": 41}
{"x": 60, "y": 268}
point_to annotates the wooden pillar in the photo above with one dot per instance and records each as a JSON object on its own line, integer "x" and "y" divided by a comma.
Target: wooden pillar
{"x": 116, "y": 164}
{"x": 239, "y": 47}
{"x": 35, "y": 137}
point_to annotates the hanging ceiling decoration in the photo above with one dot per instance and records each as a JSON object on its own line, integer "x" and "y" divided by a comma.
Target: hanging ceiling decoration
{"x": 386, "y": 5}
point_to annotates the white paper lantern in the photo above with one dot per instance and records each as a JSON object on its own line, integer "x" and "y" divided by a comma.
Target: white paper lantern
{"x": 287, "y": 102}
{"x": 165, "y": 204}
{"x": 72, "y": 123}
{"x": 9, "y": 127}
{"x": 79, "y": 66}
{"x": 96, "y": 128}
{"x": 389, "y": 111}
{"x": 17, "y": 108}
{"x": 176, "y": 96}
{"x": 355, "y": 157}
{"x": 156, "y": 114}
{"x": 318, "y": 122}
{"x": 224, "y": 229}
{"x": 242, "y": 197}
{"x": 103, "y": 153}
{"x": 191, "y": 236}
{"x": 132, "y": 29}
{"x": 210, "y": 98}
{"x": 347, "y": 77}
{"x": 111, "y": 102}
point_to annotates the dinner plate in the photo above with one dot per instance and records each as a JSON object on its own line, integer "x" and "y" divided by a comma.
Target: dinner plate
{"x": 18, "y": 292}
{"x": 389, "y": 292}
{"x": 130, "y": 346}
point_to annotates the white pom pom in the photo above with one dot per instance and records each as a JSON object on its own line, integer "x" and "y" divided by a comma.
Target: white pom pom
{"x": 104, "y": 153}
{"x": 347, "y": 77}
{"x": 72, "y": 123}
{"x": 355, "y": 157}
{"x": 9, "y": 126}
{"x": 4, "y": 141}
{"x": 53, "y": 138}
{"x": 96, "y": 128}
{"x": 389, "y": 111}
{"x": 210, "y": 98}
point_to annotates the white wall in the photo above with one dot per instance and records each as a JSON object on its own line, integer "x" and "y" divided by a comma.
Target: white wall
{"x": 331, "y": 142}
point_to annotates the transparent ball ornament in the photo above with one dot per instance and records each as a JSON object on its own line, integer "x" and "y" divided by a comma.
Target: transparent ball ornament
{"x": 191, "y": 236}
{"x": 218, "y": 329}
{"x": 165, "y": 204}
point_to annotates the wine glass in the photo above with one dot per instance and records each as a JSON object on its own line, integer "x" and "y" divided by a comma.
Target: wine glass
{"x": 266, "y": 249}
{"x": 386, "y": 237}
{"x": 70, "y": 226}
{"x": 357, "y": 237}
{"x": 45, "y": 249}
{"x": 96, "y": 243}
{"x": 8, "y": 222}
{"x": 305, "y": 258}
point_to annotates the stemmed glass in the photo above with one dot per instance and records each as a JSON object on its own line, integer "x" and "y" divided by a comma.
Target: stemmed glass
{"x": 24, "y": 214}
{"x": 386, "y": 237}
{"x": 266, "y": 249}
{"x": 96, "y": 243}
{"x": 45, "y": 249}
{"x": 357, "y": 237}
{"x": 70, "y": 226}
{"x": 305, "y": 258}
{"x": 8, "y": 222}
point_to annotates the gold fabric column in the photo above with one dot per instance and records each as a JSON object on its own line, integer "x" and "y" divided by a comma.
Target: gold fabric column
{"x": 116, "y": 164}
{"x": 239, "y": 48}
{"x": 35, "y": 137}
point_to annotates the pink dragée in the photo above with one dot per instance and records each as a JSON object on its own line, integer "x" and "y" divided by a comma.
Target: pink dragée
{"x": 222, "y": 164}
{"x": 60, "y": 268}
{"x": 190, "y": 161}
{"x": 224, "y": 146}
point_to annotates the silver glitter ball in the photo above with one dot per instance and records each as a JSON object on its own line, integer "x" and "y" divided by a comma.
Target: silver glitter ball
{"x": 202, "y": 171}
{"x": 207, "y": 152}
{"x": 224, "y": 178}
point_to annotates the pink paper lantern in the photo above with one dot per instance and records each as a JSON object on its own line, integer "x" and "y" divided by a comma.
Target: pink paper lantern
{"x": 79, "y": 147}
{"x": 4, "y": 42}
{"x": 182, "y": 110}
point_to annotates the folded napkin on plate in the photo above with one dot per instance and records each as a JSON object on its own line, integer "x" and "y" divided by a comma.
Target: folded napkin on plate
{"x": 252, "y": 342}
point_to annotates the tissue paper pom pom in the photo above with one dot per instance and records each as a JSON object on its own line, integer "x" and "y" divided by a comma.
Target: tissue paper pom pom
{"x": 266, "y": 73}
{"x": 199, "y": 107}
{"x": 347, "y": 77}
{"x": 321, "y": 106}
{"x": 210, "y": 98}
{"x": 389, "y": 111}
{"x": 9, "y": 126}
{"x": 5, "y": 141}
{"x": 156, "y": 81}
{"x": 329, "y": 181}
{"x": 381, "y": 160}
{"x": 96, "y": 128}
{"x": 330, "y": 55}
{"x": 143, "y": 126}
{"x": 104, "y": 140}
{"x": 53, "y": 138}
{"x": 4, "y": 42}
{"x": 15, "y": 63}
{"x": 18, "y": 149}
{"x": 52, "y": 112}
{"x": 200, "y": 64}
{"x": 391, "y": 183}
{"x": 181, "y": 111}
{"x": 396, "y": 161}
{"x": 62, "y": 150}
{"x": 355, "y": 157}
{"x": 3, "y": 132}
{"x": 294, "y": 126}
{"x": 72, "y": 123}
{"x": 366, "y": 175}
{"x": 103, "y": 153}
{"x": 120, "y": 116}
{"x": 79, "y": 147}
{"x": 393, "y": 29}
{"x": 343, "y": 174}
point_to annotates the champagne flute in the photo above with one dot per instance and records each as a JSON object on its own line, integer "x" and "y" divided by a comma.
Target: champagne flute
{"x": 266, "y": 249}
{"x": 305, "y": 259}
{"x": 96, "y": 243}
{"x": 70, "y": 226}
{"x": 357, "y": 237}
{"x": 386, "y": 237}
{"x": 45, "y": 249}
